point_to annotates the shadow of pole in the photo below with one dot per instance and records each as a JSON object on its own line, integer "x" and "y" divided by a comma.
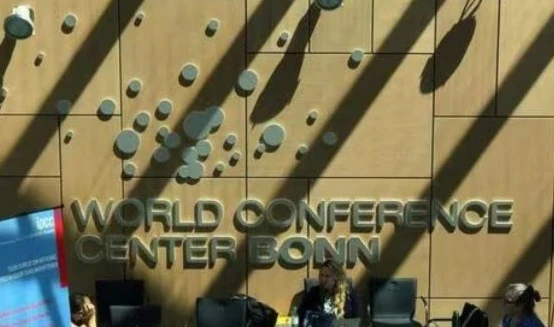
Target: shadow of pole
{"x": 475, "y": 141}
{"x": 75, "y": 78}
{"x": 285, "y": 79}
{"x": 351, "y": 108}
{"x": 222, "y": 80}
{"x": 451, "y": 51}
{"x": 6, "y": 51}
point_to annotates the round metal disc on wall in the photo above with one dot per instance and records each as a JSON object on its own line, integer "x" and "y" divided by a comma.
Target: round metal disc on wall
{"x": 219, "y": 167}
{"x": 172, "y": 140}
{"x": 189, "y": 155}
{"x": 312, "y": 116}
{"x": 357, "y": 55}
{"x": 164, "y": 108}
{"x": 216, "y": 115}
{"x": 330, "y": 138}
{"x": 273, "y": 135}
{"x": 128, "y": 141}
{"x": 236, "y": 156}
{"x": 196, "y": 170}
{"x": 248, "y": 80}
{"x": 204, "y": 148}
{"x": 303, "y": 149}
{"x": 162, "y": 133}
{"x": 107, "y": 107}
{"x": 143, "y": 119}
{"x": 328, "y": 4}
{"x": 213, "y": 26}
{"x": 260, "y": 148}
{"x": 69, "y": 22}
{"x": 129, "y": 169}
{"x": 139, "y": 18}
{"x": 189, "y": 73}
{"x": 19, "y": 24}
{"x": 63, "y": 107}
{"x": 161, "y": 155}
{"x": 135, "y": 85}
{"x": 230, "y": 140}
{"x": 183, "y": 172}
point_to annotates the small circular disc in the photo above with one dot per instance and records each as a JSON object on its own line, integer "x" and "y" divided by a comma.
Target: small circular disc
{"x": 189, "y": 155}
{"x": 107, "y": 107}
{"x": 248, "y": 80}
{"x": 204, "y": 148}
{"x": 172, "y": 140}
{"x": 273, "y": 135}
{"x": 330, "y": 138}
{"x": 128, "y": 141}
{"x": 162, "y": 154}
{"x": 189, "y": 72}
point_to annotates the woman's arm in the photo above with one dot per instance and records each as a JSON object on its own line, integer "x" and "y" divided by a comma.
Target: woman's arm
{"x": 308, "y": 303}
{"x": 352, "y": 309}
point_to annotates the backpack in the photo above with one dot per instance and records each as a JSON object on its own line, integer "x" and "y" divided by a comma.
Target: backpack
{"x": 472, "y": 316}
{"x": 258, "y": 314}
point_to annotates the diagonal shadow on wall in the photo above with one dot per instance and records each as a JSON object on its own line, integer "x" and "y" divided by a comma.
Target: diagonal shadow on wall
{"x": 70, "y": 86}
{"x": 6, "y": 51}
{"x": 284, "y": 80}
{"x": 475, "y": 142}
{"x": 221, "y": 83}
{"x": 351, "y": 108}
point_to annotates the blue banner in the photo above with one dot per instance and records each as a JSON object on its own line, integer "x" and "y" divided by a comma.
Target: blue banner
{"x": 33, "y": 288}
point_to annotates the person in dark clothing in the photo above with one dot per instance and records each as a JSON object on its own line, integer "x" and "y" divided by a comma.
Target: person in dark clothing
{"x": 333, "y": 296}
{"x": 519, "y": 305}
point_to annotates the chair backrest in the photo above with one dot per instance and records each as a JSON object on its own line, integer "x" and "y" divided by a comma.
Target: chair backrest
{"x": 117, "y": 292}
{"x": 214, "y": 312}
{"x": 132, "y": 316}
{"x": 393, "y": 297}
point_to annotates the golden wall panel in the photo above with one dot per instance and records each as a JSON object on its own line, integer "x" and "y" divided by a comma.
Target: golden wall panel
{"x": 148, "y": 57}
{"x": 81, "y": 67}
{"x": 177, "y": 286}
{"x": 525, "y": 59}
{"x": 507, "y": 168}
{"x": 465, "y": 59}
{"x": 25, "y": 194}
{"x": 267, "y": 20}
{"x": 261, "y": 280}
{"x": 90, "y": 171}
{"x": 30, "y": 146}
{"x": 402, "y": 26}
{"x": 391, "y": 137}
{"x": 344, "y": 29}
{"x": 404, "y": 252}
{"x": 493, "y": 307}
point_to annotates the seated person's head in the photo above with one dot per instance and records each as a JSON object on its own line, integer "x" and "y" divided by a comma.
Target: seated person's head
{"x": 81, "y": 308}
{"x": 331, "y": 276}
{"x": 333, "y": 283}
{"x": 520, "y": 299}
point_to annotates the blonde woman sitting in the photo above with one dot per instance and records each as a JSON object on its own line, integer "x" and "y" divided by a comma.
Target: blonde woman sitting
{"x": 332, "y": 299}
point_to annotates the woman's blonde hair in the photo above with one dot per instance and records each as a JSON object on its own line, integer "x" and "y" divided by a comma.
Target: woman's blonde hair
{"x": 340, "y": 291}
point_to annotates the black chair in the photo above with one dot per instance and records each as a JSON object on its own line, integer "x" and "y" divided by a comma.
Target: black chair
{"x": 135, "y": 316}
{"x": 213, "y": 312}
{"x": 117, "y": 292}
{"x": 392, "y": 302}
